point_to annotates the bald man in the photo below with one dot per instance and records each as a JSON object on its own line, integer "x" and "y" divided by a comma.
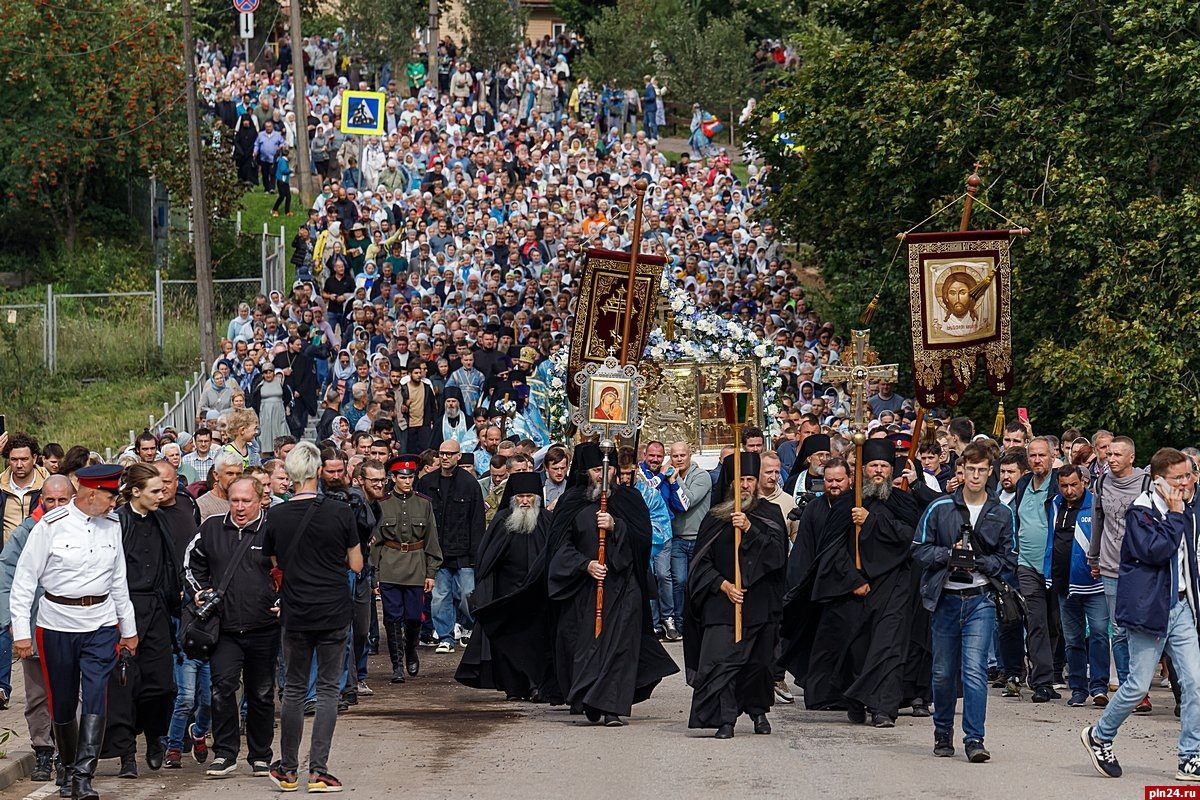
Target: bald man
{"x": 57, "y": 491}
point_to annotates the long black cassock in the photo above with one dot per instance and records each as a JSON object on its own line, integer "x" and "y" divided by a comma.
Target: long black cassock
{"x": 144, "y": 701}
{"x": 609, "y": 673}
{"x": 816, "y": 625}
{"x": 510, "y": 648}
{"x": 729, "y": 678}
{"x": 880, "y": 645}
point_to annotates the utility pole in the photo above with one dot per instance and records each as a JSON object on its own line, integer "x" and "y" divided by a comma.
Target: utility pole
{"x": 433, "y": 43}
{"x": 204, "y": 286}
{"x": 303, "y": 168}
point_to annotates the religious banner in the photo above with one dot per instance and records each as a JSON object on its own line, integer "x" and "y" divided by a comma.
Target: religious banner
{"x": 600, "y": 309}
{"x": 960, "y": 289}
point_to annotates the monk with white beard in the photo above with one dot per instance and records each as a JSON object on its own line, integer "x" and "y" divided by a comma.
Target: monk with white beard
{"x": 510, "y": 647}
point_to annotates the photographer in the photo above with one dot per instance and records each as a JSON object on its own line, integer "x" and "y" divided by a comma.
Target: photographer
{"x": 960, "y": 542}
{"x": 249, "y": 640}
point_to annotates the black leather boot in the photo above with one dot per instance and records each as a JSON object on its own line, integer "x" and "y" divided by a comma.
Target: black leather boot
{"x": 43, "y": 764}
{"x": 395, "y": 645}
{"x": 412, "y": 637}
{"x": 87, "y": 753}
{"x": 66, "y": 738}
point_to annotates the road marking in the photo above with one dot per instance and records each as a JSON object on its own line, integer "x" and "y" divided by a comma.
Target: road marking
{"x": 45, "y": 790}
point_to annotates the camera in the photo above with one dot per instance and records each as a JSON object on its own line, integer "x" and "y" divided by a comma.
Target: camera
{"x": 212, "y": 604}
{"x": 962, "y": 559}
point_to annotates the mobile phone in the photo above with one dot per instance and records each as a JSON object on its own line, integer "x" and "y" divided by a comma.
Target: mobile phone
{"x": 1162, "y": 486}
{"x": 1023, "y": 415}
{"x": 3, "y": 427}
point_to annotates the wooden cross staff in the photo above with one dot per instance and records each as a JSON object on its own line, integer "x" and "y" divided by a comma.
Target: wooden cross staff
{"x": 858, "y": 375}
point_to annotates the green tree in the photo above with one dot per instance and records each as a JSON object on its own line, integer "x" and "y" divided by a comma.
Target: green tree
{"x": 698, "y": 57}
{"x": 384, "y": 30}
{"x": 85, "y": 97}
{"x": 578, "y": 14}
{"x": 1084, "y": 118}
{"x": 493, "y": 31}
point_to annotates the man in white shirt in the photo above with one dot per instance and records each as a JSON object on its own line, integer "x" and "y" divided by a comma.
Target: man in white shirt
{"x": 75, "y": 554}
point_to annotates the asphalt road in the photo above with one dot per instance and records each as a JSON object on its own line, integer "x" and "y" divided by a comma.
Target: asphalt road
{"x": 432, "y": 738}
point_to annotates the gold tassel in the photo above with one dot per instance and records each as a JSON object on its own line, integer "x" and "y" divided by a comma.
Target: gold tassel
{"x": 998, "y": 427}
{"x": 865, "y": 317}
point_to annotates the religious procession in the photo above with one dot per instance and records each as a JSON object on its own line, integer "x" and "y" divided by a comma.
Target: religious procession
{"x": 576, "y": 458}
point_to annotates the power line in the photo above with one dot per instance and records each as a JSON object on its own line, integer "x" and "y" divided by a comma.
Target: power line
{"x": 89, "y": 52}
{"x": 165, "y": 111}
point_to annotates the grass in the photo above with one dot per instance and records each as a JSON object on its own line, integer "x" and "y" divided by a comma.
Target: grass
{"x": 256, "y": 209}
{"x": 97, "y": 414}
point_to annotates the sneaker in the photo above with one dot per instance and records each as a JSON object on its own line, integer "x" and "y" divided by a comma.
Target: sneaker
{"x": 444, "y": 647}
{"x": 1101, "y": 754}
{"x": 364, "y": 690}
{"x": 220, "y": 767}
{"x": 976, "y": 752}
{"x": 1144, "y": 707}
{"x": 310, "y": 707}
{"x": 783, "y": 692}
{"x": 1100, "y": 700}
{"x": 3, "y": 699}
{"x": 323, "y": 782}
{"x": 260, "y": 769}
{"x": 199, "y": 745}
{"x": 174, "y": 759}
{"x": 343, "y": 706}
{"x": 286, "y": 781}
{"x": 1189, "y": 770}
{"x": 1012, "y": 688}
{"x": 1044, "y": 694}
{"x": 942, "y": 747}
{"x": 1078, "y": 699}
{"x": 672, "y": 635}
{"x": 428, "y": 641}
{"x": 463, "y": 637}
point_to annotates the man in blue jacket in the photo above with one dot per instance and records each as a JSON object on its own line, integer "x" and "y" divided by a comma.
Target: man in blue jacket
{"x": 960, "y": 600}
{"x": 1080, "y": 597}
{"x": 1157, "y": 595}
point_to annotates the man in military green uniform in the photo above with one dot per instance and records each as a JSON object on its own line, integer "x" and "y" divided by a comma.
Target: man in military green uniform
{"x": 406, "y": 556}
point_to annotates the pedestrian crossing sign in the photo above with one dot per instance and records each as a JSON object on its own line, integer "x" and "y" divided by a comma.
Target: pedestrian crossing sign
{"x": 362, "y": 113}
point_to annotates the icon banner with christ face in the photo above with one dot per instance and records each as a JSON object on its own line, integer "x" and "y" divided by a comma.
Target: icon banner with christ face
{"x": 960, "y": 291}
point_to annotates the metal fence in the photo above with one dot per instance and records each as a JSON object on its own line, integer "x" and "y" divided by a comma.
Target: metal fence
{"x": 26, "y": 324}
{"x": 274, "y": 261}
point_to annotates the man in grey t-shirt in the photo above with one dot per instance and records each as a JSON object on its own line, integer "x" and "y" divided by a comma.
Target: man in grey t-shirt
{"x": 695, "y": 492}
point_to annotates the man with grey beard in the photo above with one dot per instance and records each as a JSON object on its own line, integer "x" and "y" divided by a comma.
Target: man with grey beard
{"x": 509, "y": 646}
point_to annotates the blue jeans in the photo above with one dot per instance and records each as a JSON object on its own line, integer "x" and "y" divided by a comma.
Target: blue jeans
{"x": 1120, "y": 641}
{"x": 6, "y": 641}
{"x": 962, "y": 627}
{"x": 451, "y": 588}
{"x": 1087, "y": 647}
{"x": 681, "y": 556}
{"x": 1145, "y": 650}
{"x": 664, "y": 609}
{"x": 193, "y": 685}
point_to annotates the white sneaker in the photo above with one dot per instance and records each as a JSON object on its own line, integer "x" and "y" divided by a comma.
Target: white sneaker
{"x": 444, "y": 647}
{"x": 364, "y": 690}
{"x": 464, "y": 636}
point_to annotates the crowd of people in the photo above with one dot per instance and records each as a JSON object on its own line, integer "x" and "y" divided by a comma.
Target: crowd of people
{"x": 388, "y": 417}
{"x": 995, "y": 567}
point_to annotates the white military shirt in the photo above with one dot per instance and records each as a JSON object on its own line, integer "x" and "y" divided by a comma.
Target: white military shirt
{"x": 73, "y": 555}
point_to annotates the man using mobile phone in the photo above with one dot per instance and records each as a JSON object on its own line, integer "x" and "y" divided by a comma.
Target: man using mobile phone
{"x": 1157, "y": 599}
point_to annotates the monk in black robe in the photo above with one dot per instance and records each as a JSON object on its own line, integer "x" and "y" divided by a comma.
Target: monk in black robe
{"x": 880, "y": 644}
{"x": 603, "y": 676}
{"x": 815, "y": 626}
{"x": 730, "y": 678}
{"x": 509, "y": 649}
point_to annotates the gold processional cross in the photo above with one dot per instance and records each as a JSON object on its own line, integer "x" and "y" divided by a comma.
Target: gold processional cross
{"x": 864, "y": 367}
